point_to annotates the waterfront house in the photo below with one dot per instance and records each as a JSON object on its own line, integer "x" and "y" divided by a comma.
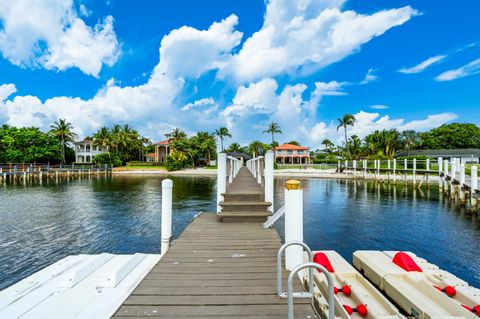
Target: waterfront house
{"x": 292, "y": 154}
{"x": 470, "y": 155}
{"x": 162, "y": 150}
{"x": 85, "y": 151}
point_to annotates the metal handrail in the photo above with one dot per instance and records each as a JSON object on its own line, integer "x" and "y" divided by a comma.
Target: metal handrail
{"x": 280, "y": 292}
{"x": 290, "y": 293}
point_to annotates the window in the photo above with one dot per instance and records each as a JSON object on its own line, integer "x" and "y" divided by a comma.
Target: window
{"x": 289, "y": 152}
{"x": 87, "y": 148}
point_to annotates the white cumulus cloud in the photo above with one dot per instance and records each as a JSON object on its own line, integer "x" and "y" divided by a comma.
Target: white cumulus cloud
{"x": 50, "y": 34}
{"x": 304, "y": 36}
{"x": 189, "y": 52}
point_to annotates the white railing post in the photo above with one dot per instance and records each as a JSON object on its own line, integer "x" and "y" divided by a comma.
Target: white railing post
{"x": 354, "y": 168}
{"x": 440, "y": 172}
{"x": 445, "y": 173}
{"x": 230, "y": 170}
{"x": 293, "y": 223}
{"x": 268, "y": 174}
{"x": 394, "y": 170}
{"x": 254, "y": 167}
{"x": 221, "y": 178}
{"x": 474, "y": 176}
{"x": 461, "y": 187}
{"x": 259, "y": 169}
{"x": 414, "y": 169}
{"x": 365, "y": 169}
{"x": 167, "y": 186}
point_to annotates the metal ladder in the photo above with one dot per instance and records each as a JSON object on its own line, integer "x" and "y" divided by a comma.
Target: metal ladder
{"x": 290, "y": 294}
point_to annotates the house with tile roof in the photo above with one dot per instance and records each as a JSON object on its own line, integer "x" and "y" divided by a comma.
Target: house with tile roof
{"x": 162, "y": 150}
{"x": 292, "y": 154}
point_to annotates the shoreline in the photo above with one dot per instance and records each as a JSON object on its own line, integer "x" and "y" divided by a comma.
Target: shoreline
{"x": 294, "y": 173}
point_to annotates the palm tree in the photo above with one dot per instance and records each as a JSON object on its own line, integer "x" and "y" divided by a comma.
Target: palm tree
{"x": 347, "y": 120}
{"x": 273, "y": 128}
{"x": 103, "y": 138}
{"x": 235, "y": 147}
{"x": 256, "y": 148}
{"x": 63, "y": 131}
{"x": 410, "y": 140}
{"x": 222, "y": 133}
{"x": 176, "y": 134}
{"x": 116, "y": 136}
{"x": 328, "y": 145}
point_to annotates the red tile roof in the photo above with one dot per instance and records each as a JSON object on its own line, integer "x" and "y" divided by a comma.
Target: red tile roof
{"x": 165, "y": 142}
{"x": 151, "y": 155}
{"x": 291, "y": 147}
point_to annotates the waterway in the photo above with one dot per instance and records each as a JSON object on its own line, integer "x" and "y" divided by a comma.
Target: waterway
{"x": 40, "y": 224}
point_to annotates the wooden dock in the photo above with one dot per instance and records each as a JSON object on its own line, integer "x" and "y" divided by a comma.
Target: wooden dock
{"x": 217, "y": 270}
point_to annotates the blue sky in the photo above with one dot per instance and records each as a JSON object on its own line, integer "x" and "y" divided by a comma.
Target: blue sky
{"x": 199, "y": 65}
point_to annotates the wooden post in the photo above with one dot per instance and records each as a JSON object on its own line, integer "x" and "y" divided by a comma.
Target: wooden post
{"x": 440, "y": 173}
{"x": 414, "y": 169}
{"x": 474, "y": 188}
{"x": 388, "y": 171}
{"x": 268, "y": 174}
{"x": 221, "y": 178}
{"x": 167, "y": 187}
{"x": 364, "y": 169}
{"x": 461, "y": 186}
{"x": 394, "y": 170}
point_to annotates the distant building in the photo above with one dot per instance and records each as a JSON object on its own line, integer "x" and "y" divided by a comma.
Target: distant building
{"x": 85, "y": 151}
{"x": 150, "y": 157}
{"x": 470, "y": 155}
{"x": 292, "y": 154}
{"x": 162, "y": 150}
{"x": 240, "y": 156}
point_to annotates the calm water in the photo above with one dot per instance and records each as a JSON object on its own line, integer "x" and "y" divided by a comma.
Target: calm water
{"x": 41, "y": 224}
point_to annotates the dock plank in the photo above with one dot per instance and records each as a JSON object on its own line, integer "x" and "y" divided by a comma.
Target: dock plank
{"x": 216, "y": 270}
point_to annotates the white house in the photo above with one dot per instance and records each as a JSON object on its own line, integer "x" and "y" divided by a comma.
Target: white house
{"x": 85, "y": 151}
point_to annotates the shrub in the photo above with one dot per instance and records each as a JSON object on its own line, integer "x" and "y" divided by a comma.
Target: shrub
{"x": 106, "y": 158}
{"x": 176, "y": 161}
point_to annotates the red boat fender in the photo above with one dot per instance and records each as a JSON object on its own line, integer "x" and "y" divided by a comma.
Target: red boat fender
{"x": 346, "y": 290}
{"x": 448, "y": 290}
{"x": 404, "y": 261}
{"x": 322, "y": 260}
{"x": 475, "y": 309}
{"x": 361, "y": 309}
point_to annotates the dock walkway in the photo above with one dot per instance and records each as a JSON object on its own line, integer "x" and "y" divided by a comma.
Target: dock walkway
{"x": 215, "y": 270}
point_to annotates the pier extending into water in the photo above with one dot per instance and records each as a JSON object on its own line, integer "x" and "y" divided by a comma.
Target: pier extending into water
{"x": 23, "y": 173}
{"x": 224, "y": 265}
{"x": 451, "y": 176}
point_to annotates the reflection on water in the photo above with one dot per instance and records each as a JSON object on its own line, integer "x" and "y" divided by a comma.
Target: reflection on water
{"x": 42, "y": 224}
{"x": 347, "y": 215}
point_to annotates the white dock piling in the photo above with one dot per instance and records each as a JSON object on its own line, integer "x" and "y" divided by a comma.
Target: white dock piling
{"x": 293, "y": 223}
{"x": 221, "y": 178}
{"x": 461, "y": 186}
{"x": 354, "y": 168}
{"x": 474, "y": 187}
{"x": 445, "y": 174}
{"x": 394, "y": 170}
{"x": 414, "y": 171}
{"x": 440, "y": 173}
{"x": 259, "y": 170}
{"x": 268, "y": 174}
{"x": 167, "y": 186}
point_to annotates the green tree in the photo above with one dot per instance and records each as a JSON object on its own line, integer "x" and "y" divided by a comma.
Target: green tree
{"x": 328, "y": 145}
{"x": 273, "y": 128}
{"x": 222, "y": 133}
{"x": 410, "y": 140}
{"x": 62, "y": 130}
{"x": 234, "y": 147}
{"x": 346, "y": 121}
{"x": 294, "y": 143}
{"x": 28, "y": 145}
{"x": 452, "y": 136}
{"x": 176, "y": 134}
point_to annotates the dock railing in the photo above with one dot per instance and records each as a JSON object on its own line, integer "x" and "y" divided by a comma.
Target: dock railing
{"x": 456, "y": 178}
{"x": 227, "y": 170}
{"x": 261, "y": 168}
